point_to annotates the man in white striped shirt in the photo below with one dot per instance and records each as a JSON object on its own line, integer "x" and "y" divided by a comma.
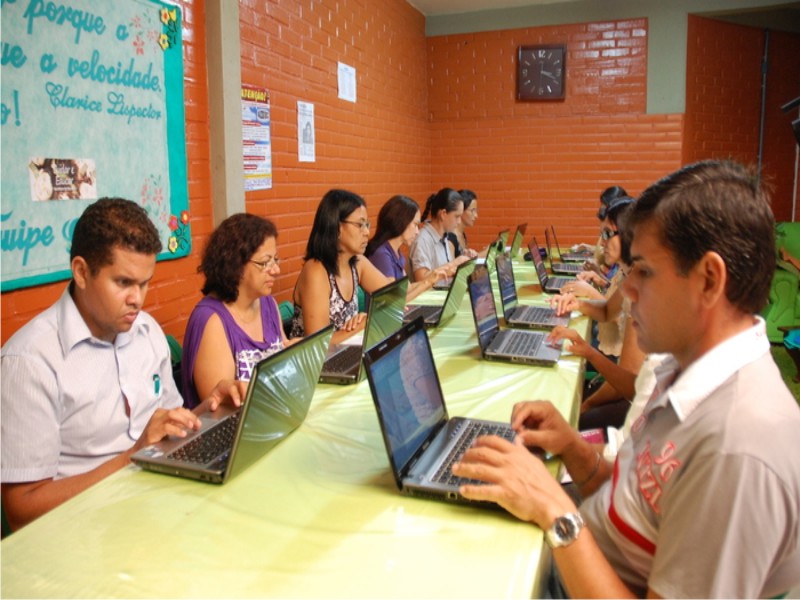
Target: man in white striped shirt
{"x": 89, "y": 381}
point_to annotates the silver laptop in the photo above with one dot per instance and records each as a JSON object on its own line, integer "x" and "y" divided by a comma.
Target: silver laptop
{"x": 343, "y": 365}
{"x": 434, "y": 315}
{"x": 231, "y": 439}
{"x": 516, "y": 241}
{"x": 569, "y": 256}
{"x": 421, "y": 440}
{"x": 564, "y": 268}
{"x": 550, "y": 285}
{"x": 517, "y": 315}
{"x": 511, "y": 345}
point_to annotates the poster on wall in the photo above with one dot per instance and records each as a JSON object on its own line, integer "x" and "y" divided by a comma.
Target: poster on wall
{"x": 92, "y": 106}
{"x": 256, "y": 148}
{"x": 305, "y": 132}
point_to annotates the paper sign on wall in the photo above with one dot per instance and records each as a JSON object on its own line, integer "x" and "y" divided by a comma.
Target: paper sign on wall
{"x": 305, "y": 132}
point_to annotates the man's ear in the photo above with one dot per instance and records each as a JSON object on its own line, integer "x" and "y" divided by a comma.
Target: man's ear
{"x": 80, "y": 271}
{"x": 714, "y": 273}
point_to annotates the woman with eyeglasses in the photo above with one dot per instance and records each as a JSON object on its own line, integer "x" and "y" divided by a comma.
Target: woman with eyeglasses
{"x": 432, "y": 248}
{"x": 326, "y": 291}
{"x": 459, "y": 236}
{"x": 398, "y": 227}
{"x": 237, "y": 323}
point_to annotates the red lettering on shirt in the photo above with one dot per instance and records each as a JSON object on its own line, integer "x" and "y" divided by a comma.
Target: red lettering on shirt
{"x": 653, "y": 472}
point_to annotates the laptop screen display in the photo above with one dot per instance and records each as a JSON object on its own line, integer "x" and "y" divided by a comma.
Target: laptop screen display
{"x": 541, "y": 269}
{"x": 505, "y": 279}
{"x": 407, "y": 392}
{"x": 480, "y": 293}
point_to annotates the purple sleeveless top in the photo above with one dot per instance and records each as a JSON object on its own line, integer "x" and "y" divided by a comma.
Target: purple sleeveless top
{"x": 246, "y": 351}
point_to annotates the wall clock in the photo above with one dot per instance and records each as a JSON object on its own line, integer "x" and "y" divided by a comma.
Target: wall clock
{"x": 541, "y": 72}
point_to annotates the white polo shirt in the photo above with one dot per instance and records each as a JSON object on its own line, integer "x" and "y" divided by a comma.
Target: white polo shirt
{"x": 430, "y": 250}
{"x": 64, "y": 392}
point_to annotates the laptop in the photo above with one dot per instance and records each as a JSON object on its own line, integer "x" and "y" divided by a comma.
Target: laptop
{"x": 550, "y": 285}
{"x": 511, "y": 345}
{"x": 343, "y": 364}
{"x": 421, "y": 440}
{"x": 231, "y": 439}
{"x": 516, "y": 241}
{"x": 492, "y": 251}
{"x": 434, "y": 315}
{"x": 569, "y": 256}
{"x": 564, "y": 268}
{"x": 516, "y": 315}
{"x": 502, "y": 235}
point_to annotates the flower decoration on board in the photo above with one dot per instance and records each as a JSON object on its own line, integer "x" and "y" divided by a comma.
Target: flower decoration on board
{"x": 169, "y": 33}
{"x": 143, "y": 30}
{"x": 179, "y": 240}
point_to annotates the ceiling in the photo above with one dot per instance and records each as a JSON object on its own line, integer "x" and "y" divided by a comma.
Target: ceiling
{"x": 783, "y": 16}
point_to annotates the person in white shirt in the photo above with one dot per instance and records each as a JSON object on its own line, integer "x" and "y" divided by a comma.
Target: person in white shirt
{"x": 88, "y": 382}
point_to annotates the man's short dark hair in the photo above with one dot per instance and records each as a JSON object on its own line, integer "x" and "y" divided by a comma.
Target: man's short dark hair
{"x": 110, "y": 223}
{"x": 230, "y": 247}
{"x": 716, "y": 206}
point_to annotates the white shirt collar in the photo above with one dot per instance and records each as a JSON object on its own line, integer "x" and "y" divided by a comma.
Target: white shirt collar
{"x": 708, "y": 372}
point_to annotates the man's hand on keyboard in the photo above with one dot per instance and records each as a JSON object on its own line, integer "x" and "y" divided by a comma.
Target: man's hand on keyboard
{"x": 175, "y": 422}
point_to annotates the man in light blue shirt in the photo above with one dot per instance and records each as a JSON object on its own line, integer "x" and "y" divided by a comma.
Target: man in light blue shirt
{"x": 89, "y": 381}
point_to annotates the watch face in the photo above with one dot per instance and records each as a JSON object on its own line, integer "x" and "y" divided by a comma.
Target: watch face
{"x": 541, "y": 73}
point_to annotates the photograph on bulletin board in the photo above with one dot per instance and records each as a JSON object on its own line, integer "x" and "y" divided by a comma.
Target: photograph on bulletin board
{"x": 92, "y": 107}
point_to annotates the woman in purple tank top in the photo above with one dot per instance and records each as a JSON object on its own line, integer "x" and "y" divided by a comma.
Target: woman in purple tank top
{"x": 237, "y": 323}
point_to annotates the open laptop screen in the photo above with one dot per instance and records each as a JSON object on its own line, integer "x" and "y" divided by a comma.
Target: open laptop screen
{"x": 408, "y": 397}
{"x": 505, "y": 280}
{"x": 480, "y": 292}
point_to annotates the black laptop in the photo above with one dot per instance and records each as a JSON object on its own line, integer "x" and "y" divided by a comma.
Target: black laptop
{"x": 434, "y": 315}
{"x": 517, "y": 315}
{"x": 343, "y": 365}
{"x": 579, "y": 256}
{"x": 550, "y": 285}
{"x": 422, "y": 441}
{"x": 510, "y": 345}
{"x": 231, "y": 439}
{"x": 562, "y": 268}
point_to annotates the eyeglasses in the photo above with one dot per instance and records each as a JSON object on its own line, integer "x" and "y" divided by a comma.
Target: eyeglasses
{"x": 607, "y": 234}
{"x": 265, "y": 265}
{"x": 363, "y": 225}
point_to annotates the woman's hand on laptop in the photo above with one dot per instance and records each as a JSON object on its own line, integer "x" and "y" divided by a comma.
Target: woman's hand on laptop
{"x": 578, "y": 345}
{"x": 564, "y": 303}
{"x": 230, "y": 390}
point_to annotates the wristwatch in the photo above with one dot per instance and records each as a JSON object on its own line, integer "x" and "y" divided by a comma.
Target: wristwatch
{"x": 564, "y": 530}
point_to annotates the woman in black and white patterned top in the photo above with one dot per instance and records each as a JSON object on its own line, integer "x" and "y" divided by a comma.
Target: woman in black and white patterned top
{"x": 326, "y": 289}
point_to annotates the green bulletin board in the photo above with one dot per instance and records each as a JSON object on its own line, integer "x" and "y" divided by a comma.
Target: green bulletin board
{"x": 92, "y": 106}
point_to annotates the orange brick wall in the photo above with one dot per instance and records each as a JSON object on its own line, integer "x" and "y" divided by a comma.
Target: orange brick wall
{"x": 723, "y": 102}
{"x": 546, "y": 162}
{"x": 377, "y": 147}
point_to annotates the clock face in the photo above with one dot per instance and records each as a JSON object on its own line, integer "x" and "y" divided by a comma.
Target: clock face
{"x": 541, "y": 72}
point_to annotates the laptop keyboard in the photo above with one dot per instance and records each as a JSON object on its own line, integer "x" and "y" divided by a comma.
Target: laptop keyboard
{"x": 519, "y": 343}
{"x": 343, "y": 361}
{"x": 535, "y": 314}
{"x": 209, "y": 445}
{"x": 559, "y": 281}
{"x": 471, "y": 431}
{"x": 568, "y": 267}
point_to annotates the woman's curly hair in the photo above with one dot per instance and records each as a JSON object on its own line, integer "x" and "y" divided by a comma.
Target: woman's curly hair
{"x": 228, "y": 251}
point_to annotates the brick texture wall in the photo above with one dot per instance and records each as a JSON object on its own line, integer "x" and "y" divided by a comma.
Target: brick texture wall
{"x": 724, "y": 96}
{"x": 546, "y": 162}
{"x": 430, "y": 113}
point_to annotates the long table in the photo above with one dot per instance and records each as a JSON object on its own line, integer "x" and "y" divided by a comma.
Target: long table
{"x": 320, "y": 516}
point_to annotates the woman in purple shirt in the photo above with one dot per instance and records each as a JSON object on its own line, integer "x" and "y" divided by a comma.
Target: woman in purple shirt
{"x": 398, "y": 225}
{"x": 237, "y": 323}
